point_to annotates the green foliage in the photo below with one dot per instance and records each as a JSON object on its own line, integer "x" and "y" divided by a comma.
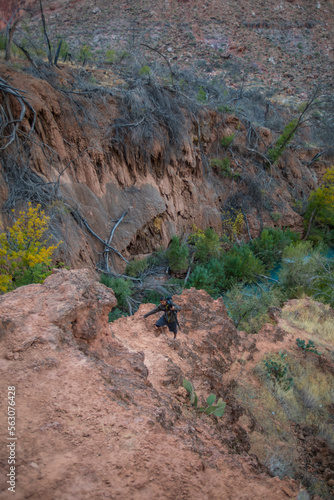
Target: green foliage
{"x": 223, "y": 165}
{"x": 321, "y": 202}
{"x": 269, "y": 247}
{"x": 136, "y": 267}
{"x": 145, "y": 71}
{"x": 110, "y": 56}
{"x": 225, "y": 109}
{"x": 226, "y": 141}
{"x": 300, "y": 264}
{"x": 116, "y": 314}
{"x": 248, "y": 306}
{"x": 207, "y": 244}
{"x": 64, "y": 49}
{"x": 217, "y": 410}
{"x": 289, "y": 131}
{"x": 201, "y": 95}
{"x": 24, "y": 255}
{"x": 309, "y": 347}
{"x": 242, "y": 265}
{"x": 202, "y": 279}
{"x": 276, "y": 216}
{"x": 151, "y": 297}
{"x": 177, "y": 255}
{"x": 122, "y": 289}
{"x": 2, "y": 41}
{"x": 277, "y": 369}
{"x": 85, "y": 54}
{"x": 158, "y": 258}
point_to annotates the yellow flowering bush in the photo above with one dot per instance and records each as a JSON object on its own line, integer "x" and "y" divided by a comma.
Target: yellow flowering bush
{"x": 24, "y": 255}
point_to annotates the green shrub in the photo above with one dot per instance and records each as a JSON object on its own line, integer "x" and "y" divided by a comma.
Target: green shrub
{"x": 201, "y": 95}
{"x": 136, "y": 267}
{"x": 207, "y": 244}
{"x": 85, "y": 54}
{"x": 299, "y": 265}
{"x": 276, "y": 216}
{"x": 202, "y": 279}
{"x": 289, "y": 131}
{"x": 277, "y": 369}
{"x": 248, "y": 306}
{"x": 64, "y": 49}
{"x": 242, "y": 265}
{"x": 116, "y": 314}
{"x": 269, "y": 247}
{"x": 151, "y": 297}
{"x": 145, "y": 71}
{"x": 177, "y": 255}
{"x": 158, "y": 258}
{"x": 110, "y": 56}
{"x": 223, "y": 165}
{"x": 226, "y": 141}
{"x": 122, "y": 289}
{"x": 321, "y": 204}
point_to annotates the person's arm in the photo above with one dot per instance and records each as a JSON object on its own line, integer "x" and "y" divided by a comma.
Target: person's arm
{"x": 155, "y": 310}
{"x": 175, "y": 307}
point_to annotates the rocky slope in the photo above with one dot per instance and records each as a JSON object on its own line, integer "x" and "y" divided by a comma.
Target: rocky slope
{"x": 287, "y": 45}
{"x": 101, "y": 411}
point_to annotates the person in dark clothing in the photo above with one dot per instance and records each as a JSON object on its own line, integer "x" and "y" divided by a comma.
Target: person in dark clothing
{"x": 169, "y": 318}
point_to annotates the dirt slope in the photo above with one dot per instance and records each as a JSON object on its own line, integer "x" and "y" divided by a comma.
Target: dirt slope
{"x": 101, "y": 411}
{"x": 105, "y": 418}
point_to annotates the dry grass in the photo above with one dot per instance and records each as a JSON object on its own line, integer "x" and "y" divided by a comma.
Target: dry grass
{"x": 315, "y": 318}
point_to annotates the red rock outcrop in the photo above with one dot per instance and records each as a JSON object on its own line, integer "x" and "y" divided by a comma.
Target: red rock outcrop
{"x": 106, "y": 415}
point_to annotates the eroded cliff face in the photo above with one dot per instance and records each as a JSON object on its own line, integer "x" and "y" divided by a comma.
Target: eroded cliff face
{"x": 164, "y": 189}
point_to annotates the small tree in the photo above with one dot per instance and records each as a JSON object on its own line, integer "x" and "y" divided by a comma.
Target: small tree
{"x": 320, "y": 207}
{"x": 24, "y": 255}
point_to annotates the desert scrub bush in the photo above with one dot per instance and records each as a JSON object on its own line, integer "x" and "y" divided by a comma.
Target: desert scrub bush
{"x": 248, "y": 306}
{"x": 136, "y": 267}
{"x": 110, "y": 56}
{"x": 226, "y": 141}
{"x": 201, "y": 96}
{"x": 277, "y": 369}
{"x": 24, "y": 255}
{"x": 122, "y": 289}
{"x": 177, "y": 255}
{"x": 313, "y": 317}
{"x": 276, "y": 216}
{"x": 311, "y": 397}
{"x": 206, "y": 244}
{"x": 85, "y": 54}
{"x": 300, "y": 263}
{"x": 223, "y": 166}
{"x": 232, "y": 224}
{"x": 217, "y": 409}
